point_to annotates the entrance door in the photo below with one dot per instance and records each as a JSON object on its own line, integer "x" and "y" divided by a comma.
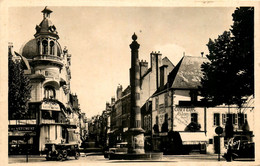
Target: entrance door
{"x": 216, "y": 144}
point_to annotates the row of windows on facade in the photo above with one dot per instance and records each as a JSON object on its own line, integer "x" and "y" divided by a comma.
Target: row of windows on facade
{"x": 235, "y": 118}
{"x": 193, "y": 96}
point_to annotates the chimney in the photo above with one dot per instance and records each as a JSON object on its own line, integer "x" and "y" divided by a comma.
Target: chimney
{"x": 107, "y": 105}
{"x": 156, "y": 62}
{"x": 10, "y": 48}
{"x": 113, "y": 100}
{"x": 119, "y": 92}
{"x": 163, "y": 75}
{"x": 143, "y": 67}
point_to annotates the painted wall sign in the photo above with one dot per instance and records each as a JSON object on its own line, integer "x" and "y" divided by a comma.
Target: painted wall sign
{"x": 182, "y": 114}
{"x": 50, "y": 106}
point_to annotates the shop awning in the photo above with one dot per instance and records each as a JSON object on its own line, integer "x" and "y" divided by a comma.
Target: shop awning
{"x": 21, "y": 133}
{"x": 193, "y": 138}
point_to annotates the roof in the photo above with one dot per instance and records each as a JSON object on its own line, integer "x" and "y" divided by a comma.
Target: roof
{"x": 29, "y": 49}
{"x": 25, "y": 61}
{"x": 186, "y": 75}
{"x": 167, "y": 62}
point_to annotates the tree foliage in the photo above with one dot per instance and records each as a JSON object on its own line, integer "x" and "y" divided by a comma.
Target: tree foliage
{"x": 19, "y": 89}
{"x": 229, "y": 76}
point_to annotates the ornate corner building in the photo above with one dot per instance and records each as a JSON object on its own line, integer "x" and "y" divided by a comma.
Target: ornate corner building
{"x": 54, "y": 115}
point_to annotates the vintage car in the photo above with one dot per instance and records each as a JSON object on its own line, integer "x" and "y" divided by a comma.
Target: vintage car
{"x": 240, "y": 148}
{"x": 61, "y": 151}
{"x": 119, "y": 148}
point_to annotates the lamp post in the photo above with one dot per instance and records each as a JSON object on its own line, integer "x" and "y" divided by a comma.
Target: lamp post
{"x": 26, "y": 138}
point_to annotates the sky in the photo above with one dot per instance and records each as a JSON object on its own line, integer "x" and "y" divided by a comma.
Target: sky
{"x": 98, "y": 39}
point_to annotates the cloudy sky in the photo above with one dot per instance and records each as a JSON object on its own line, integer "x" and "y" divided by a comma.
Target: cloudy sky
{"x": 98, "y": 39}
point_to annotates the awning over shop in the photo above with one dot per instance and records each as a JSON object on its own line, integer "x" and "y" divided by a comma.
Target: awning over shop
{"x": 21, "y": 133}
{"x": 193, "y": 138}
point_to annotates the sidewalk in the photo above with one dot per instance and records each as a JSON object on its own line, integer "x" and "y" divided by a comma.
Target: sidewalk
{"x": 99, "y": 158}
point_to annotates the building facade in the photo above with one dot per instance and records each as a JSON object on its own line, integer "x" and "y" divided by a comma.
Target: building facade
{"x": 177, "y": 107}
{"x": 173, "y": 115}
{"x": 53, "y": 114}
{"x": 150, "y": 80}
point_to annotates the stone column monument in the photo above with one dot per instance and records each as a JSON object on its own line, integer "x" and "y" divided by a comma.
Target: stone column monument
{"x": 136, "y": 133}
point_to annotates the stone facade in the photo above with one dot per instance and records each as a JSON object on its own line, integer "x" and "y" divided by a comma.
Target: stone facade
{"x": 55, "y": 110}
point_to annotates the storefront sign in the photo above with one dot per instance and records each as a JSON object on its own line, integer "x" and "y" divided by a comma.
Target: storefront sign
{"x": 185, "y": 109}
{"x": 21, "y": 128}
{"x": 50, "y": 106}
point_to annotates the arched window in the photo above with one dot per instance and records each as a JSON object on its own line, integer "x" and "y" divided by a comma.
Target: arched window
{"x": 44, "y": 47}
{"x": 145, "y": 122}
{"x": 38, "y": 47}
{"x": 49, "y": 92}
{"x": 52, "y": 48}
{"x": 149, "y": 122}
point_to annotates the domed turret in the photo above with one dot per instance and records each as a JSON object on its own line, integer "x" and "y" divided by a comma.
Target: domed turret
{"x": 44, "y": 48}
{"x": 30, "y": 49}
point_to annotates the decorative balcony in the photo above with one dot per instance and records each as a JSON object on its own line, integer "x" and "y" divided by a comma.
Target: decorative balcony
{"x": 47, "y": 59}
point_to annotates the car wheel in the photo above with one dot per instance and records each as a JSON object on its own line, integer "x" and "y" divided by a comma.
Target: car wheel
{"x": 59, "y": 157}
{"x": 77, "y": 154}
{"x": 65, "y": 154}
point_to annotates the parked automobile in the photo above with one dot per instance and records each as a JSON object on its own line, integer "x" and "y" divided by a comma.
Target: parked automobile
{"x": 240, "y": 147}
{"x": 61, "y": 151}
{"x": 119, "y": 148}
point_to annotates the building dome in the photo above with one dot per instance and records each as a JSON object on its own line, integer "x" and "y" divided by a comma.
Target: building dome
{"x": 29, "y": 49}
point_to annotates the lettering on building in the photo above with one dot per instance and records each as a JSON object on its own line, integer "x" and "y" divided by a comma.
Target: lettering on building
{"x": 182, "y": 114}
{"x": 50, "y": 106}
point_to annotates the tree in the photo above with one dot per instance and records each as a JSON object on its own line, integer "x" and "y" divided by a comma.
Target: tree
{"x": 19, "y": 89}
{"x": 229, "y": 76}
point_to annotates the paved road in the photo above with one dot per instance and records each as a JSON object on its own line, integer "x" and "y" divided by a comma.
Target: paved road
{"x": 94, "y": 158}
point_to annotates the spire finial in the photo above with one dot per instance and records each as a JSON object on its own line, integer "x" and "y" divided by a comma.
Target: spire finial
{"x": 134, "y": 37}
{"x": 46, "y": 12}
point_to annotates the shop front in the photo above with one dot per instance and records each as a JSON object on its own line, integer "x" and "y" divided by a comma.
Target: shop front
{"x": 17, "y": 143}
{"x": 194, "y": 142}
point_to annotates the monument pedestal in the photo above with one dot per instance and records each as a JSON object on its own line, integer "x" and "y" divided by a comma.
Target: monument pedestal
{"x": 135, "y": 140}
{"x": 136, "y": 148}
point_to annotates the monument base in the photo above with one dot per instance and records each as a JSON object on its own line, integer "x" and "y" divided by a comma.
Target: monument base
{"x": 134, "y": 156}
